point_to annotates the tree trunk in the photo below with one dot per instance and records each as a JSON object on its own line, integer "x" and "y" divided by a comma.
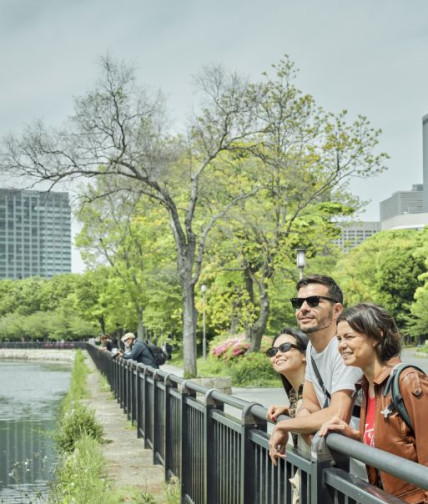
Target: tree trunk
{"x": 190, "y": 315}
{"x": 102, "y": 325}
{"x": 257, "y": 330}
{"x": 140, "y": 329}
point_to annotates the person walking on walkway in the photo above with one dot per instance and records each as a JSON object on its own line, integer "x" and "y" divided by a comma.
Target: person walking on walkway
{"x": 369, "y": 339}
{"x": 137, "y": 350}
{"x": 329, "y": 385}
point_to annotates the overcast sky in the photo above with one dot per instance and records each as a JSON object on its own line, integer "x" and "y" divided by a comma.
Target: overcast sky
{"x": 368, "y": 56}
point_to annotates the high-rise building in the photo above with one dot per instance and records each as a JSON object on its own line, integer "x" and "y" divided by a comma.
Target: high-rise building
{"x": 403, "y": 202}
{"x": 354, "y": 233}
{"x": 425, "y": 159}
{"x": 35, "y": 233}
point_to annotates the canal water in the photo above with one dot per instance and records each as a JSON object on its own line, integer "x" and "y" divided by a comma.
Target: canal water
{"x": 30, "y": 396}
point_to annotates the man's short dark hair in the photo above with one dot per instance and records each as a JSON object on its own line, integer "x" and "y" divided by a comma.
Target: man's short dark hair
{"x": 334, "y": 290}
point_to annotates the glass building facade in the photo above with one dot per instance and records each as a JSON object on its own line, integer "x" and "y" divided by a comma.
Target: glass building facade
{"x": 35, "y": 234}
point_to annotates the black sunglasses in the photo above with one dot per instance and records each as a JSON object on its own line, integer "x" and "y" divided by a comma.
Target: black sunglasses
{"x": 312, "y": 301}
{"x": 284, "y": 347}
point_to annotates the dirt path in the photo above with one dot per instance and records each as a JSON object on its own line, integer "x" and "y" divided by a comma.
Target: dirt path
{"x": 129, "y": 464}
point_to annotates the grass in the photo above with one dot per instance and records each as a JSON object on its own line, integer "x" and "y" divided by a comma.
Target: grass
{"x": 81, "y": 476}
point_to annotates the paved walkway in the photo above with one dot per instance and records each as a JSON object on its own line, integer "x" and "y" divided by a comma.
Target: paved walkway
{"x": 129, "y": 465}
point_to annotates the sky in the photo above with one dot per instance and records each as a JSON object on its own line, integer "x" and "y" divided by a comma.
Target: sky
{"x": 369, "y": 57}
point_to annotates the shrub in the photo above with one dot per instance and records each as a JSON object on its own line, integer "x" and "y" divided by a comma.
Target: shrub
{"x": 77, "y": 423}
{"x": 229, "y": 348}
{"x": 253, "y": 369}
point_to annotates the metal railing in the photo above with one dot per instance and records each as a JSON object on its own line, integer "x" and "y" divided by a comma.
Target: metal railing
{"x": 56, "y": 345}
{"x": 221, "y": 458}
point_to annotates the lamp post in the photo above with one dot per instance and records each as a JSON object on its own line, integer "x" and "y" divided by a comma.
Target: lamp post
{"x": 301, "y": 261}
{"x": 204, "y": 335}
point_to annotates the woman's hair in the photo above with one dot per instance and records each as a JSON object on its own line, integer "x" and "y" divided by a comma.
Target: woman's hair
{"x": 302, "y": 342}
{"x": 377, "y": 323}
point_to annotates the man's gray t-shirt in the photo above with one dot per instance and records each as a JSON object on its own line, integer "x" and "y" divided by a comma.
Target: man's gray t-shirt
{"x": 334, "y": 373}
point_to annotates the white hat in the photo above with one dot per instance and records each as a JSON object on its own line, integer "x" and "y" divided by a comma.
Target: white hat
{"x": 127, "y": 336}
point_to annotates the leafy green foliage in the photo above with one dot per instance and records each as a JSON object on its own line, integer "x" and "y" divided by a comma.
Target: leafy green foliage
{"x": 77, "y": 423}
{"x": 254, "y": 370}
{"x": 388, "y": 268}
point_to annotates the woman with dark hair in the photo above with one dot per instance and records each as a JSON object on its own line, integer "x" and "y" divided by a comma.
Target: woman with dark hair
{"x": 287, "y": 357}
{"x": 369, "y": 339}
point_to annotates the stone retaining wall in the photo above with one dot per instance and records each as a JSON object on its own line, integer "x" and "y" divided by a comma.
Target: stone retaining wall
{"x": 36, "y": 354}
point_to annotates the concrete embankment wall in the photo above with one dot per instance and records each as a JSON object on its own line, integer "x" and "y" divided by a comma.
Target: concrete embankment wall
{"x": 37, "y": 354}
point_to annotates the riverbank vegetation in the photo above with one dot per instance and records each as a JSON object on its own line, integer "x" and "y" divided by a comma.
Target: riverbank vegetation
{"x": 81, "y": 475}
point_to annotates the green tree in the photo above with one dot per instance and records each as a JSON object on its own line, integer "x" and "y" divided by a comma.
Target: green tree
{"x": 304, "y": 156}
{"x": 118, "y": 133}
{"x": 385, "y": 269}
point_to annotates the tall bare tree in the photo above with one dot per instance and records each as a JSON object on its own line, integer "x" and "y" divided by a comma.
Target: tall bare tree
{"x": 118, "y": 131}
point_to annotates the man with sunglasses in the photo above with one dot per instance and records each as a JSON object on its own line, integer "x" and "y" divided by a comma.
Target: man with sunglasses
{"x": 329, "y": 384}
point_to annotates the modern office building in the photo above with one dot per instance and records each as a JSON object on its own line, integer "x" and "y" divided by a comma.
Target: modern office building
{"x": 35, "y": 234}
{"x": 425, "y": 159}
{"x": 354, "y": 233}
{"x": 403, "y": 202}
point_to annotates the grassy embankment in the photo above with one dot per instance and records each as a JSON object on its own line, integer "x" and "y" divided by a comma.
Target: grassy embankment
{"x": 81, "y": 477}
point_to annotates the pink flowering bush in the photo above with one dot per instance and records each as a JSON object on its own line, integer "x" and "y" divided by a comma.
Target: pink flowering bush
{"x": 230, "y": 348}
{"x": 245, "y": 369}
{"x": 235, "y": 347}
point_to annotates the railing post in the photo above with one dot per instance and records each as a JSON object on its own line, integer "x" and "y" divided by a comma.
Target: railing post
{"x": 185, "y": 441}
{"x": 156, "y": 414}
{"x": 167, "y": 429}
{"x": 210, "y": 496}
{"x": 146, "y": 413}
{"x": 249, "y": 422}
{"x": 322, "y": 459}
{"x": 138, "y": 399}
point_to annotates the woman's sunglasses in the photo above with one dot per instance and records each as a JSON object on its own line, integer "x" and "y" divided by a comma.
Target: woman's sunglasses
{"x": 284, "y": 347}
{"x": 312, "y": 301}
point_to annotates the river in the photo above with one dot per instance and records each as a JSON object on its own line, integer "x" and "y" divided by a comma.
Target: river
{"x": 30, "y": 396}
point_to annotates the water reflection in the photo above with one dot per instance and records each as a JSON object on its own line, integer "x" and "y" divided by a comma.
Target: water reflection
{"x": 29, "y": 400}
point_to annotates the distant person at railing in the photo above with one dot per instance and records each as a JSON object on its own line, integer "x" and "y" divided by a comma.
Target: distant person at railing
{"x": 329, "y": 385}
{"x": 137, "y": 350}
{"x": 288, "y": 358}
{"x": 167, "y": 349}
{"x": 105, "y": 343}
{"x": 369, "y": 339}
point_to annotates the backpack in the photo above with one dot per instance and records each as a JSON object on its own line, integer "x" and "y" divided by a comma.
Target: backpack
{"x": 393, "y": 386}
{"x": 158, "y": 354}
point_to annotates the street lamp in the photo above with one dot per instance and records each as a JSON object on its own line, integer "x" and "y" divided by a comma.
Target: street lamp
{"x": 204, "y": 334}
{"x": 301, "y": 261}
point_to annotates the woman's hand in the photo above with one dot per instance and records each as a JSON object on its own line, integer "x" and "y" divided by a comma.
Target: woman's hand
{"x": 275, "y": 411}
{"x": 336, "y": 424}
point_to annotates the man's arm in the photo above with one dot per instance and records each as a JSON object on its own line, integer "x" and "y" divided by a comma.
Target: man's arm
{"x": 309, "y": 420}
{"x": 133, "y": 353}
